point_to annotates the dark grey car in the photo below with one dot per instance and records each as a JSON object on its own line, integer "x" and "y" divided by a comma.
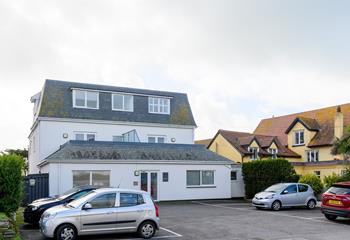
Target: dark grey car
{"x": 285, "y": 195}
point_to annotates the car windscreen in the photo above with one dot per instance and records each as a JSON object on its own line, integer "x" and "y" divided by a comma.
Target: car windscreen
{"x": 67, "y": 193}
{"x": 276, "y": 188}
{"x": 83, "y": 199}
{"x": 341, "y": 190}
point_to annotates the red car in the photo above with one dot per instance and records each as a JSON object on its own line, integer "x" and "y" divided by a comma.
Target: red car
{"x": 336, "y": 201}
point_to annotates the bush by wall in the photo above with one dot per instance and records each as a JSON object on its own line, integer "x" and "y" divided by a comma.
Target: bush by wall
{"x": 334, "y": 178}
{"x": 314, "y": 181}
{"x": 11, "y": 182}
{"x": 258, "y": 175}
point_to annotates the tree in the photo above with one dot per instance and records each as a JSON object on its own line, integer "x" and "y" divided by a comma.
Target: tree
{"x": 341, "y": 146}
{"x": 20, "y": 152}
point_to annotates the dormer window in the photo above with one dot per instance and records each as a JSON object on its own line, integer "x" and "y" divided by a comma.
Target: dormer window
{"x": 158, "y": 105}
{"x": 85, "y": 99}
{"x": 254, "y": 153}
{"x": 299, "y": 137}
{"x": 122, "y": 102}
{"x": 273, "y": 152}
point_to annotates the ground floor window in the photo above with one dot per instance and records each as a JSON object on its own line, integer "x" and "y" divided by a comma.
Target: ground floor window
{"x": 93, "y": 178}
{"x": 233, "y": 175}
{"x": 318, "y": 173}
{"x": 200, "y": 177}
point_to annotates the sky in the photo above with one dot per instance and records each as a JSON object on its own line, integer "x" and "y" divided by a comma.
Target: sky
{"x": 238, "y": 61}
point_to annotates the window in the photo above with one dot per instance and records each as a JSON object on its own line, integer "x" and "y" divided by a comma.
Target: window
{"x": 118, "y": 139}
{"x": 290, "y": 189}
{"x": 302, "y": 188}
{"x": 130, "y": 199}
{"x": 254, "y": 153}
{"x": 93, "y": 178}
{"x": 200, "y": 178}
{"x": 233, "y": 175}
{"x": 317, "y": 173}
{"x": 165, "y": 177}
{"x": 156, "y": 139}
{"x": 159, "y": 105}
{"x": 80, "y": 194}
{"x": 104, "y": 201}
{"x": 121, "y": 102}
{"x": 83, "y": 136}
{"x": 85, "y": 99}
{"x": 299, "y": 137}
{"x": 273, "y": 152}
{"x": 312, "y": 155}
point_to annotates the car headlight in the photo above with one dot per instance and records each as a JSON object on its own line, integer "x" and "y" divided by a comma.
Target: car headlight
{"x": 34, "y": 208}
{"x": 270, "y": 197}
{"x": 47, "y": 216}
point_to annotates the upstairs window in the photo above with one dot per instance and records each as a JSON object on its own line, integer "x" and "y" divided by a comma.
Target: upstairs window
{"x": 159, "y": 105}
{"x": 156, "y": 139}
{"x": 122, "y": 102}
{"x": 254, "y": 153}
{"x": 85, "y": 99}
{"x": 299, "y": 138}
{"x": 273, "y": 152}
{"x": 312, "y": 155}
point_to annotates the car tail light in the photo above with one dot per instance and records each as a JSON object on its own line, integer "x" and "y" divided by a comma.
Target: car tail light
{"x": 157, "y": 209}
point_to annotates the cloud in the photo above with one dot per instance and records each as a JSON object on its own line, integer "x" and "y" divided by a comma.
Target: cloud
{"x": 239, "y": 61}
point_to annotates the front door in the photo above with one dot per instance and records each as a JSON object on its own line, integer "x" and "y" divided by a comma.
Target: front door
{"x": 149, "y": 183}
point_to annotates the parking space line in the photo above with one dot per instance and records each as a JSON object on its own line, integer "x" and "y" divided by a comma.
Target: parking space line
{"x": 172, "y": 232}
{"x": 174, "y": 235}
{"x": 266, "y": 212}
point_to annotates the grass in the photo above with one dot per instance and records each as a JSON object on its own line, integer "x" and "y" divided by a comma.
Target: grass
{"x": 2, "y": 216}
{"x": 19, "y": 222}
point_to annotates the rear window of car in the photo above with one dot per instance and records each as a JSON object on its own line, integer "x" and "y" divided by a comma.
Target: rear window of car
{"x": 302, "y": 188}
{"x": 341, "y": 190}
{"x": 130, "y": 199}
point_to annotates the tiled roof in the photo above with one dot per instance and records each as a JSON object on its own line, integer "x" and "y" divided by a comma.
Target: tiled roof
{"x": 324, "y": 117}
{"x": 119, "y": 151}
{"x": 204, "y": 142}
{"x": 241, "y": 141}
{"x": 56, "y": 102}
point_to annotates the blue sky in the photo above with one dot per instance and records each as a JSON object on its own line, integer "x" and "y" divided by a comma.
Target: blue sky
{"x": 239, "y": 61}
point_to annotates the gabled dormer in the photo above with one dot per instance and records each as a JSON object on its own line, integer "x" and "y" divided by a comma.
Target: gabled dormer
{"x": 254, "y": 149}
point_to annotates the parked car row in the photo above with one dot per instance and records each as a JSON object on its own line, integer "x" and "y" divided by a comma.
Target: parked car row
{"x": 335, "y": 201}
{"x": 87, "y": 211}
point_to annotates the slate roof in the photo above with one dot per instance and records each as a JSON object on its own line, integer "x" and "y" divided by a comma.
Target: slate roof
{"x": 277, "y": 126}
{"x": 57, "y": 100}
{"x": 119, "y": 151}
{"x": 241, "y": 141}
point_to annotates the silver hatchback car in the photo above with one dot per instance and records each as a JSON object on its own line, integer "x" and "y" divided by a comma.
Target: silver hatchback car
{"x": 285, "y": 195}
{"x": 105, "y": 210}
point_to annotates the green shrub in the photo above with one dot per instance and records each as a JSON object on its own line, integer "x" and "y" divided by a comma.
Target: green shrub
{"x": 330, "y": 180}
{"x": 11, "y": 182}
{"x": 314, "y": 181}
{"x": 258, "y": 175}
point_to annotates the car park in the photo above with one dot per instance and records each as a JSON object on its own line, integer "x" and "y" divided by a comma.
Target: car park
{"x": 336, "y": 201}
{"x": 283, "y": 195}
{"x": 103, "y": 211}
{"x": 34, "y": 210}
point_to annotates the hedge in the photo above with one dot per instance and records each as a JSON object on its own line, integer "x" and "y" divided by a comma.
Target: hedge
{"x": 259, "y": 175}
{"x": 314, "y": 181}
{"x": 11, "y": 182}
{"x": 334, "y": 178}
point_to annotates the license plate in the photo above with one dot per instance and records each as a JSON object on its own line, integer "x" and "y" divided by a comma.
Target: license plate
{"x": 335, "y": 202}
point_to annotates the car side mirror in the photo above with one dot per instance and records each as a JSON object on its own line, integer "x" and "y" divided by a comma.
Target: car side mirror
{"x": 87, "y": 206}
{"x": 285, "y": 192}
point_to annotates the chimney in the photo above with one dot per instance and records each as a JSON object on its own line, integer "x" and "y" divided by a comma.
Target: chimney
{"x": 338, "y": 123}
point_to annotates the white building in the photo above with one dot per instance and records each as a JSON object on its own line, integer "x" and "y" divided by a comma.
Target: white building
{"x": 133, "y": 138}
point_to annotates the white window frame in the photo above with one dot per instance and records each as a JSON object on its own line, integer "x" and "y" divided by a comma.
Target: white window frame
{"x": 90, "y": 172}
{"x": 85, "y": 135}
{"x": 156, "y": 137}
{"x": 315, "y": 153}
{"x": 318, "y": 173}
{"x": 158, "y": 105}
{"x": 85, "y": 105}
{"x": 254, "y": 156}
{"x": 123, "y": 109}
{"x": 273, "y": 151}
{"x": 298, "y": 142}
{"x": 200, "y": 178}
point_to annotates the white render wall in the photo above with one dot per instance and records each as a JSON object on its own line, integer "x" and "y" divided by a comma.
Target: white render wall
{"x": 51, "y": 133}
{"x": 61, "y": 179}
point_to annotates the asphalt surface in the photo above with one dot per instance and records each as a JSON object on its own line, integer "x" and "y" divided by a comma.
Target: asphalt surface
{"x": 233, "y": 220}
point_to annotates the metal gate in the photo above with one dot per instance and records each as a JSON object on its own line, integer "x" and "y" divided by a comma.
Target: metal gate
{"x": 35, "y": 186}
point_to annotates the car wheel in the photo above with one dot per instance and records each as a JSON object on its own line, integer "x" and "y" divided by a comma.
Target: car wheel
{"x": 311, "y": 204}
{"x": 66, "y": 232}
{"x": 276, "y": 205}
{"x": 147, "y": 230}
{"x": 330, "y": 217}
